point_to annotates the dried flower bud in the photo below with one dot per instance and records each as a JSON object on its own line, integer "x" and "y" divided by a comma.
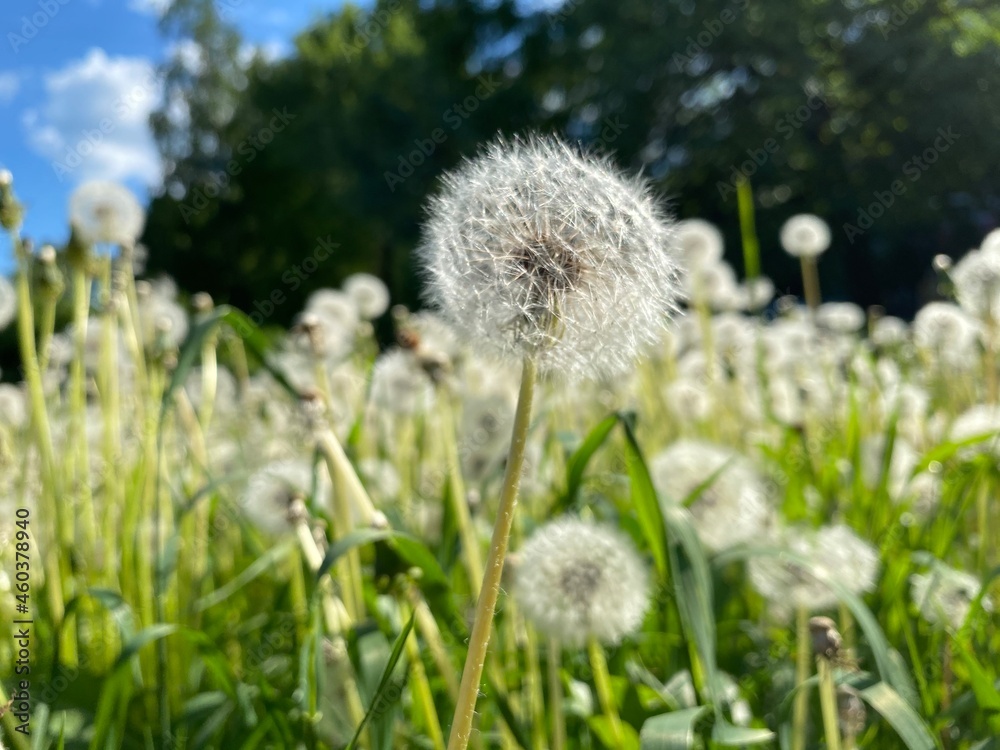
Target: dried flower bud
{"x": 826, "y": 639}
{"x": 851, "y": 711}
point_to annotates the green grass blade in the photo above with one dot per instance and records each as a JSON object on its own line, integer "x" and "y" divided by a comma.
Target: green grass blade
{"x": 672, "y": 731}
{"x": 908, "y": 725}
{"x": 381, "y": 700}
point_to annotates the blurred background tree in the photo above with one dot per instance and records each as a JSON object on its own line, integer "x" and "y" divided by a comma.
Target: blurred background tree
{"x": 822, "y": 104}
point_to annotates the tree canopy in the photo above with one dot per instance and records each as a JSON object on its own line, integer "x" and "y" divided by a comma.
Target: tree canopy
{"x": 286, "y": 175}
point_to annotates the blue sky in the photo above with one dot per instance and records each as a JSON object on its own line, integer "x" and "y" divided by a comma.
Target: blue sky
{"x": 77, "y": 84}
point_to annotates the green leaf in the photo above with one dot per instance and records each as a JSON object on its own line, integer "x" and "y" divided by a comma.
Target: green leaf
{"x": 672, "y": 731}
{"x": 577, "y": 464}
{"x": 143, "y": 638}
{"x": 380, "y": 702}
{"x": 908, "y": 725}
{"x": 348, "y": 542}
{"x": 647, "y": 507}
{"x": 256, "y": 568}
{"x": 729, "y": 735}
{"x": 987, "y": 695}
{"x": 601, "y": 726}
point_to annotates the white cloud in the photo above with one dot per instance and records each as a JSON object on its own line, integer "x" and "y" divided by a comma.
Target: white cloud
{"x": 9, "y": 85}
{"x": 149, "y": 7}
{"x": 94, "y": 123}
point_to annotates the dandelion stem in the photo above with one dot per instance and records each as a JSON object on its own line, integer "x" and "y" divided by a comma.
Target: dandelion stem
{"x": 828, "y": 703}
{"x": 803, "y": 643}
{"x": 556, "y": 696}
{"x": 810, "y": 282}
{"x": 465, "y": 708}
{"x": 463, "y": 519}
{"x": 602, "y": 681}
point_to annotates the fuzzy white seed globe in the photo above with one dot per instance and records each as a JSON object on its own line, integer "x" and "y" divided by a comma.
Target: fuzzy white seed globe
{"x": 805, "y": 236}
{"x": 534, "y": 250}
{"x": 576, "y": 580}
{"x": 106, "y": 212}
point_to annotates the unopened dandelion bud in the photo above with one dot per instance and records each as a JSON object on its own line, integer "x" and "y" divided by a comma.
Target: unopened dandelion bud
{"x": 379, "y": 521}
{"x": 202, "y": 302}
{"x": 826, "y": 639}
{"x": 11, "y": 212}
{"x": 942, "y": 263}
{"x": 47, "y": 254}
{"x": 851, "y": 711}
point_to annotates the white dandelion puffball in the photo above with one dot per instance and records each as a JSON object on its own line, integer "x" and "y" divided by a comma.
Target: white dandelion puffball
{"x": 271, "y": 493}
{"x": 533, "y": 250}
{"x": 832, "y": 553}
{"x": 977, "y": 421}
{"x": 977, "y": 283}
{"x": 399, "y": 384}
{"x": 699, "y": 242}
{"x": 840, "y": 317}
{"x": 13, "y": 406}
{"x": 731, "y": 510}
{"x": 889, "y": 331}
{"x": 369, "y": 293}
{"x": 8, "y": 303}
{"x": 944, "y": 595}
{"x": 106, "y": 212}
{"x": 991, "y": 243}
{"x": 947, "y": 332}
{"x": 575, "y": 580}
{"x": 805, "y": 236}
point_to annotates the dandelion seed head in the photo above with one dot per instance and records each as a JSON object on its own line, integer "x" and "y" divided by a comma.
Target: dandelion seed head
{"x": 369, "y": 294}
{"x": 106, "y": 212}
{"x": 976, "y": 421}
{"x": 944, "y": 595}
{"x": 977, "y": 283}
{"x": 399, "y": 384}
{"x": 840, "y": 317}
{"x": 889, "y": 331}
{"x": 832, "y": 553}
{"x": 699, "y": 243}
{"x": 991, "y": 243}
{"x": 269, "y": 500}
{"x": 576, "y": 580}
{"x": 755, "y": 294}
{"x": 946, "y": 332}
{"x": 805, "y": 236}
{"x": 532, "y": 250}
{"x": 13, "y": 407}
{"x": 734, "y": 508}
{"x": 336, "y": 317}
